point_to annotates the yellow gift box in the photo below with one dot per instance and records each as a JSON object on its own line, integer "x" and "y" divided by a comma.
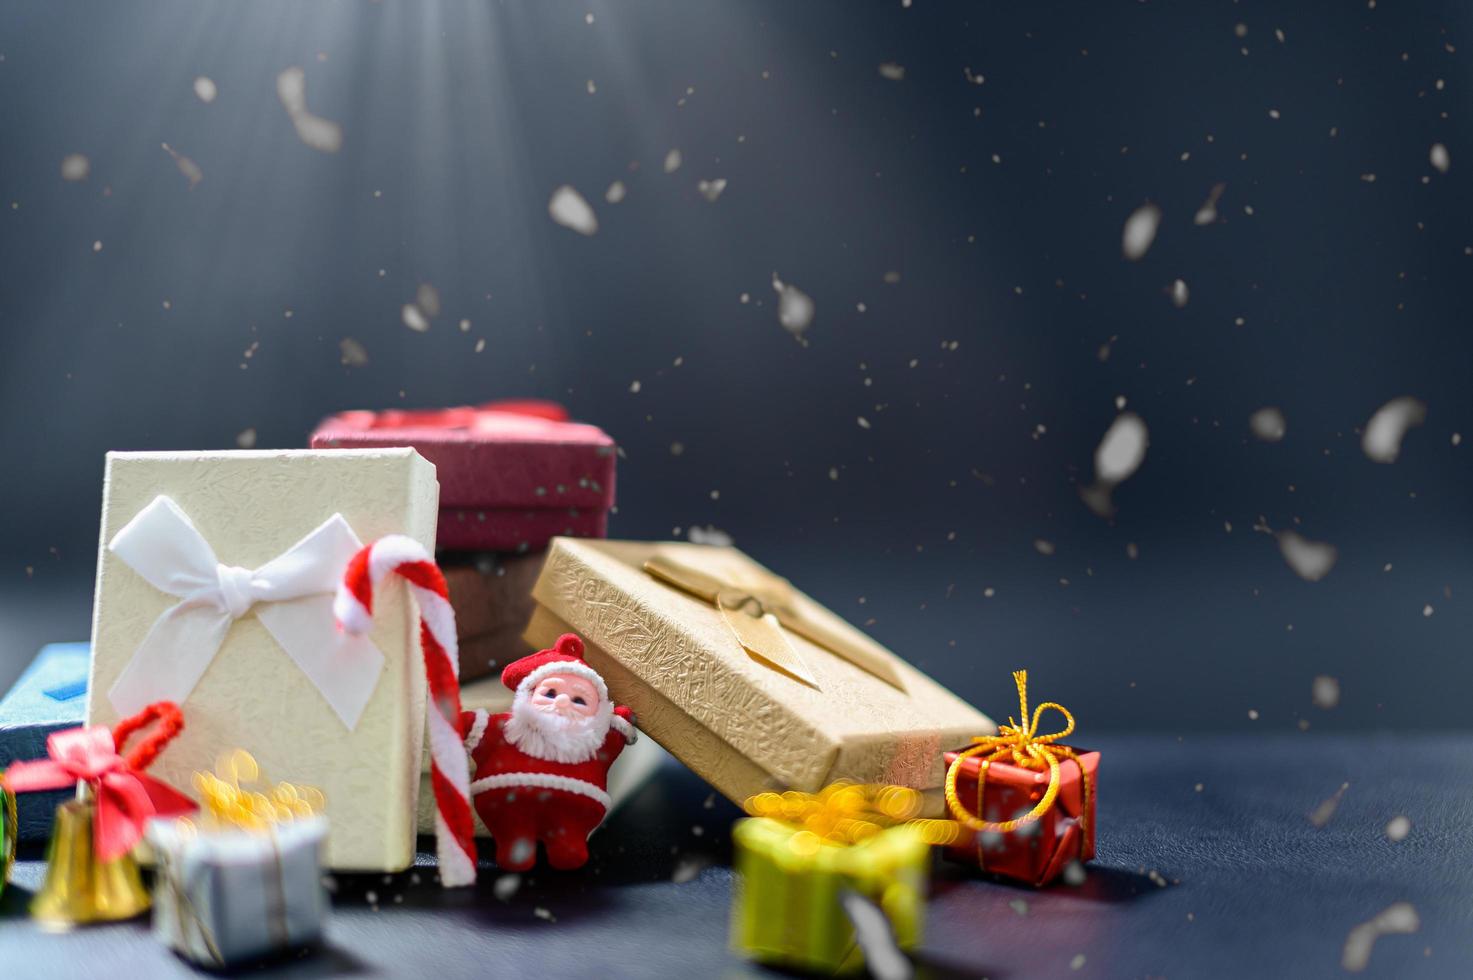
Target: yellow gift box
{"x": 743, "y": 678}
{"x": 797, "y": 861}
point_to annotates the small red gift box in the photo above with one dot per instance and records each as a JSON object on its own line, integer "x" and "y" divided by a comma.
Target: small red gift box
{"x": 1036, "y": 852}
{"x": 1027, "y": 803}
{"x": 512, "y": 474}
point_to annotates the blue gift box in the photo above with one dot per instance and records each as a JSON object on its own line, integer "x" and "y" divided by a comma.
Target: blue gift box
{"x": 50, "y": 695}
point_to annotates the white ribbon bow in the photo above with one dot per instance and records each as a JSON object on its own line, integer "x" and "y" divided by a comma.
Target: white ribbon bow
{"x": 291, "y": 596}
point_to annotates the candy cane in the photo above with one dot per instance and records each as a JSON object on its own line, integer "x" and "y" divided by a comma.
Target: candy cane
{"x": 455, "y": 843}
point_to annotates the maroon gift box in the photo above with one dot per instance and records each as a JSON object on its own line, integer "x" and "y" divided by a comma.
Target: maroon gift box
{"x": 1038, "y": 852}
{"x": 512, "y": 474}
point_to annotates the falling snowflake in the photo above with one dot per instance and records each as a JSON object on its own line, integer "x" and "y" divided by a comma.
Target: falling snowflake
{"x": 1440, "y": 158}
{"x": 1179, "y": 293}
{"x": 615, "y": 193}
{"x": 1397, "y": 829}
{"x": 246, "y": 439}
{"x": 1398, "y": 918}
{"x": 1123, "y": 448}
{"x": 204, "y": 89}
{"x": 688, "y": 869}
{"x": 875, "y": 937}
{"x": 1382, "y": 439}
{"x": 1207, "y": 213}
{"x": 672, "y": 161}
{"x": 795, "y": 309}
{"x": 187, "y": 167}
{"x": 892, "y": 71}
{"x": 320, "y": 134}
{"x": 427, "y": 298}
{"x": 75, "y": 166}
{"x": 1321, "y": 816}
{"x": 1120, "y": 453}
{"x": 568, "y": 208}
{"x": 1310, "y": 560}
{"x": 1268, "y": 424}
{"x": 1325, "y": 692}
{"x": 414, "y": 319}
{"x": 709, "y": 535}
{"x": 1140, "y": 231}
{"x": 352, "y": 353}
{"x": 711, "y": 189}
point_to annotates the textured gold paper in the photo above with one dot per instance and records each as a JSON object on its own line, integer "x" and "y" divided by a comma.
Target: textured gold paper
{"x": 741, "y": 725}
{"x": 250, "y": 507}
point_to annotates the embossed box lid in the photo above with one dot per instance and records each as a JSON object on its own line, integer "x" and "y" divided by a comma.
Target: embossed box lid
{"x": 742, "y": 723}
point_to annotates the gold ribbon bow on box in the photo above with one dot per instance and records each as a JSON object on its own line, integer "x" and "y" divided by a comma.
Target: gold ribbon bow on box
{"x": 761, "y": 609}
{"x": 1019, "y": 744}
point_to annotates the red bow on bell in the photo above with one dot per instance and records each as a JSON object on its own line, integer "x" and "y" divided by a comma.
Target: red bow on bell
{"x": 127, "y": 798}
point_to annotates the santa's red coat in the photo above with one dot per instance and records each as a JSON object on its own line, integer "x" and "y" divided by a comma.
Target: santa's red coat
{"x": 500, "y": 762}
{"x": 523, "y": 798}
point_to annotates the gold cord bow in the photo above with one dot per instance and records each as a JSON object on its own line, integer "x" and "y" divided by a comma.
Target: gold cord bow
{"x": 1020, "y": 744}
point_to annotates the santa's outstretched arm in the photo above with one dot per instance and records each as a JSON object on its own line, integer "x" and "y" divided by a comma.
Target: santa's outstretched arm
{"x": 477, "y": 725}
{"x": 621, "y": 733}
{"x": 623, "y": 723}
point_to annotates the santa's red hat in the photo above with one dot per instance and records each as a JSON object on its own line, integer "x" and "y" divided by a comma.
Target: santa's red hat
{"x": 565, "y": 657}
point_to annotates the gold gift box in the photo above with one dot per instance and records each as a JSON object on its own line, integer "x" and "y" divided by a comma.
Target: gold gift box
{"x": 747, "y": 681}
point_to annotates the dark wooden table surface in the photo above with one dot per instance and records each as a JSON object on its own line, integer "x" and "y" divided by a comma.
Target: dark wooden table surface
{"x": 1209, "y": 865}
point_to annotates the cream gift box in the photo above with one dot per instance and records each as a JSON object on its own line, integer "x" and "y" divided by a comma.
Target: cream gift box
{"x": 635, "y": 765}
{"x": 341, "y": 716}
{"x": 743, "y": 678}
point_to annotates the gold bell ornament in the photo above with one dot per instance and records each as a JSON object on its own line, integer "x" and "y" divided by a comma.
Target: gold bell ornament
{"x": 91, "y": 875}
{"x": 80, "y": 887}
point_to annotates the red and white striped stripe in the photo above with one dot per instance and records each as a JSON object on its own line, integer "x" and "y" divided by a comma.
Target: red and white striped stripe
{"x": 449, "y": 766}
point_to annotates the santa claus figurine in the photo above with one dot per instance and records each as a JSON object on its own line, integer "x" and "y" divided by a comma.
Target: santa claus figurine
{"x": 541, "y": 769}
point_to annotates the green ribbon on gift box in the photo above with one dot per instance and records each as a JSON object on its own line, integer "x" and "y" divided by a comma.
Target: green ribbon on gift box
{"x": 9, "y": 830}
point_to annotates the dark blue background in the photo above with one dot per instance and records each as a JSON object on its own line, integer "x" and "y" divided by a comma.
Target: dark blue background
{"x": 466, "y": 117}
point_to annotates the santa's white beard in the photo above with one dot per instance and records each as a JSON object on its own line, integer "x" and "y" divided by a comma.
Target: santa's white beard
{"x": 545, "y": 735}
